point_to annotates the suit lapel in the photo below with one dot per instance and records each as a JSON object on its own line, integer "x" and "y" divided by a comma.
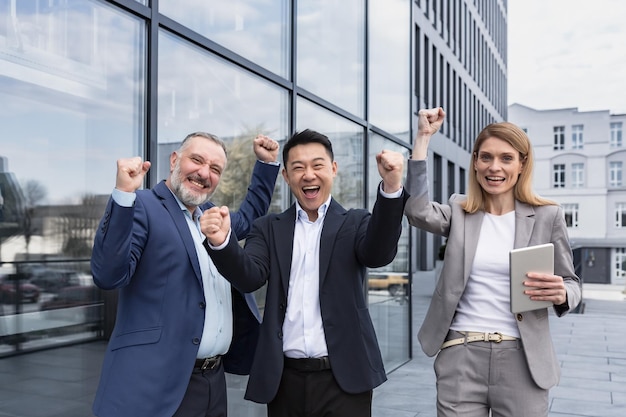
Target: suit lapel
{"x": 524, "y": 224}
{"x": 473, "y": 223}
{"x": 283, "y": 227}
{"x": 171, "y": 205}
{"x": 335, "y": 216}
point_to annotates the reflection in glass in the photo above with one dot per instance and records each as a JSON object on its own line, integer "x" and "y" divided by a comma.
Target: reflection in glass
{"x": 256, "y": 30}
{"x": 347, "y": 140}
{"x": 200, "y": 92}
{"x": 389, "y": 285}
{"x": 389, "y": 66}
{"x": 73, "y": 75}
{"x": 331, "y": 51}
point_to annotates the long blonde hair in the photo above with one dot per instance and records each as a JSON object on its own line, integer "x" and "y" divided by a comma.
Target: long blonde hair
{"x": 522, "y": 191}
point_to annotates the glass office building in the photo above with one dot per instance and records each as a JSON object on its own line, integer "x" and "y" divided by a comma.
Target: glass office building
{"x": 85, "y": 82}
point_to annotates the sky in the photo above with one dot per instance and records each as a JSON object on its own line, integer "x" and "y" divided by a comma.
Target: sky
{"x": 567, "y": 53}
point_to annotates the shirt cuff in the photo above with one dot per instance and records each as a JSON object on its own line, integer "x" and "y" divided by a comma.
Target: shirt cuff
{"x": 223, "y": 245}
{"x": 123, "y": 198}
{"x": 397, "y": 194}
{"x": 275, "y": 163}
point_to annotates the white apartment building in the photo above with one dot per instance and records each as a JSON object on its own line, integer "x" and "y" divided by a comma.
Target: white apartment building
{"x": 580, "y": 162}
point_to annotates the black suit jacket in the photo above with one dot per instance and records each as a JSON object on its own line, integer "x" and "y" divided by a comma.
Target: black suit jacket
{"x": 351, "y": 241}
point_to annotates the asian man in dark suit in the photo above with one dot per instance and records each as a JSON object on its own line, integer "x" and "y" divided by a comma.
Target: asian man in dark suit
{"x": 179, "y": 324}
{"x": 317, "y": 353}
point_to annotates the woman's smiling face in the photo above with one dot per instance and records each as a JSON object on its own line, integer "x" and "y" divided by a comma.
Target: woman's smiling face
{"x": 310, "y": 174}
{"x": 497, "y": 166}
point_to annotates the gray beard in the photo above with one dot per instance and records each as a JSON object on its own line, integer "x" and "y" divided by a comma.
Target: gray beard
{"x": 184, "y": 195}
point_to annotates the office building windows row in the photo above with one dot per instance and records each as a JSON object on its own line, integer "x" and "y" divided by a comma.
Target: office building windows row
{"x": 437, "y": 84}
{"x": 577, "y": 142}
{"x": 575, "y": 180}
{"x": 471, "y": 30}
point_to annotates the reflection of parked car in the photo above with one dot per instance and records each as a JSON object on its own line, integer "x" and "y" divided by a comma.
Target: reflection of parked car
{"x": 73, "y": 297}
{"x": 78, "y": 304}
{"x": 395, "y": 284}
{"x": 8, "y": 289}
{"x": 52, "y": 280}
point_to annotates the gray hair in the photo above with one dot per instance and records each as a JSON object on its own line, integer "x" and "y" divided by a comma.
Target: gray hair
{"x": 205, "y": 135}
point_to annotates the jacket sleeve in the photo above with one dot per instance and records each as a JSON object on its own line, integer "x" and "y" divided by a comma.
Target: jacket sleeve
{"x": 420, "y": 210}
{"x": 118, "y": 244}
{"x": 564, "y": 264}
{"x": 380, "y": 245}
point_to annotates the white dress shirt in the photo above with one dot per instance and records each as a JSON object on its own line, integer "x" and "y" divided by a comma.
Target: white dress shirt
{"x": 303, "y": 330}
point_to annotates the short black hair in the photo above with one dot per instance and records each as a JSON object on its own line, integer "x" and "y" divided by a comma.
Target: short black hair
{"x": 304, "y": 137}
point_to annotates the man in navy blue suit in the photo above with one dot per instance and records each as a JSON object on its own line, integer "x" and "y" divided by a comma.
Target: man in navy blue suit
{"x": 180, "y": 325}
{"x": 317, "y": 353}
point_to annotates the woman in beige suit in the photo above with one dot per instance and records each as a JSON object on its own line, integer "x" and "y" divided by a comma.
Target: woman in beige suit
{"x": 490, "y": 360}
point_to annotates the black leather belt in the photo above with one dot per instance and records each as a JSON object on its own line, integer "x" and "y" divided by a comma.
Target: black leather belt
{"x": 208, "y": 363}
{"x": 308, "y": 364}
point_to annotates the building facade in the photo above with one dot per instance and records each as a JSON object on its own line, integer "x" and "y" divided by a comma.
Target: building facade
{"x": 85, "y": 82}
{"x": 580, "y": 161}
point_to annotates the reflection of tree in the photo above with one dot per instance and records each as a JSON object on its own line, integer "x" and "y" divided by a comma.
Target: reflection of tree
{"x": 236, "y": 178}
{"x": 34, "y": 192}
{"x": 76, "y": 226}
{"x": 241, "y": 159}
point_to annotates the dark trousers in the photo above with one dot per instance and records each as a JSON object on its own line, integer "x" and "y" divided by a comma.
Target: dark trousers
{"x": 205, "y": 395}
{"x": 316, "y": 394}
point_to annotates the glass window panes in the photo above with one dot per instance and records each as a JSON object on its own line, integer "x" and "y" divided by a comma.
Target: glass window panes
{"x": 220, "y": 99}
{"x": 389, "y": 66}
{"x": 389, "y": 285}
{"x": 615, "y": 174}
{"x": 558, "y": 176}
{"x": 255, "y": 29}
{"x": 577, "y": 137}
{"x": 578, "y": 175}
{"x": 620, "y": 215}
{"x": 73, "y": 80}
{"x": 331, "y": 51}
{"x": 570, "y": 212}
{"x": 559, "y": 138}
{"x": 347, "y": 140}
{"x": 616, "y": 135}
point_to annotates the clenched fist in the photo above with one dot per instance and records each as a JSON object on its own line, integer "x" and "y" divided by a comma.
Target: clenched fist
{"x": 390, "y": 168}
{"x": 130, "y": 173}
{"x": 215, "y": 224}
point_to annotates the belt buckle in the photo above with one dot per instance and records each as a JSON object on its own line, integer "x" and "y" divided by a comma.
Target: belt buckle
{"x": 498, "y": 337}
{"x": 210, "y": 363}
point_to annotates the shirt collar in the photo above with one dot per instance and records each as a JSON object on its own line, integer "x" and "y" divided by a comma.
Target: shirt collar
{"x": 196, "y": 213}
{"x": 321, "y": 211}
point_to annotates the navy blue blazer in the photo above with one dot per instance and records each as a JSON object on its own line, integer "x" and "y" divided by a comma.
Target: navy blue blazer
{"x": 147, "y": 252}
{"x": 351, "y": 241}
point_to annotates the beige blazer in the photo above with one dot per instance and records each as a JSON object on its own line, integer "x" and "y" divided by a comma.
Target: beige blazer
{"x": 533, "y": 226}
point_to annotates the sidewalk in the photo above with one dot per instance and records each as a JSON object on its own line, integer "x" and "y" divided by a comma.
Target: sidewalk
{"x": 591, "y": 348}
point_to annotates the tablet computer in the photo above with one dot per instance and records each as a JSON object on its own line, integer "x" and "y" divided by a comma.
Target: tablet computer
{"x": 539, "y": 258}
